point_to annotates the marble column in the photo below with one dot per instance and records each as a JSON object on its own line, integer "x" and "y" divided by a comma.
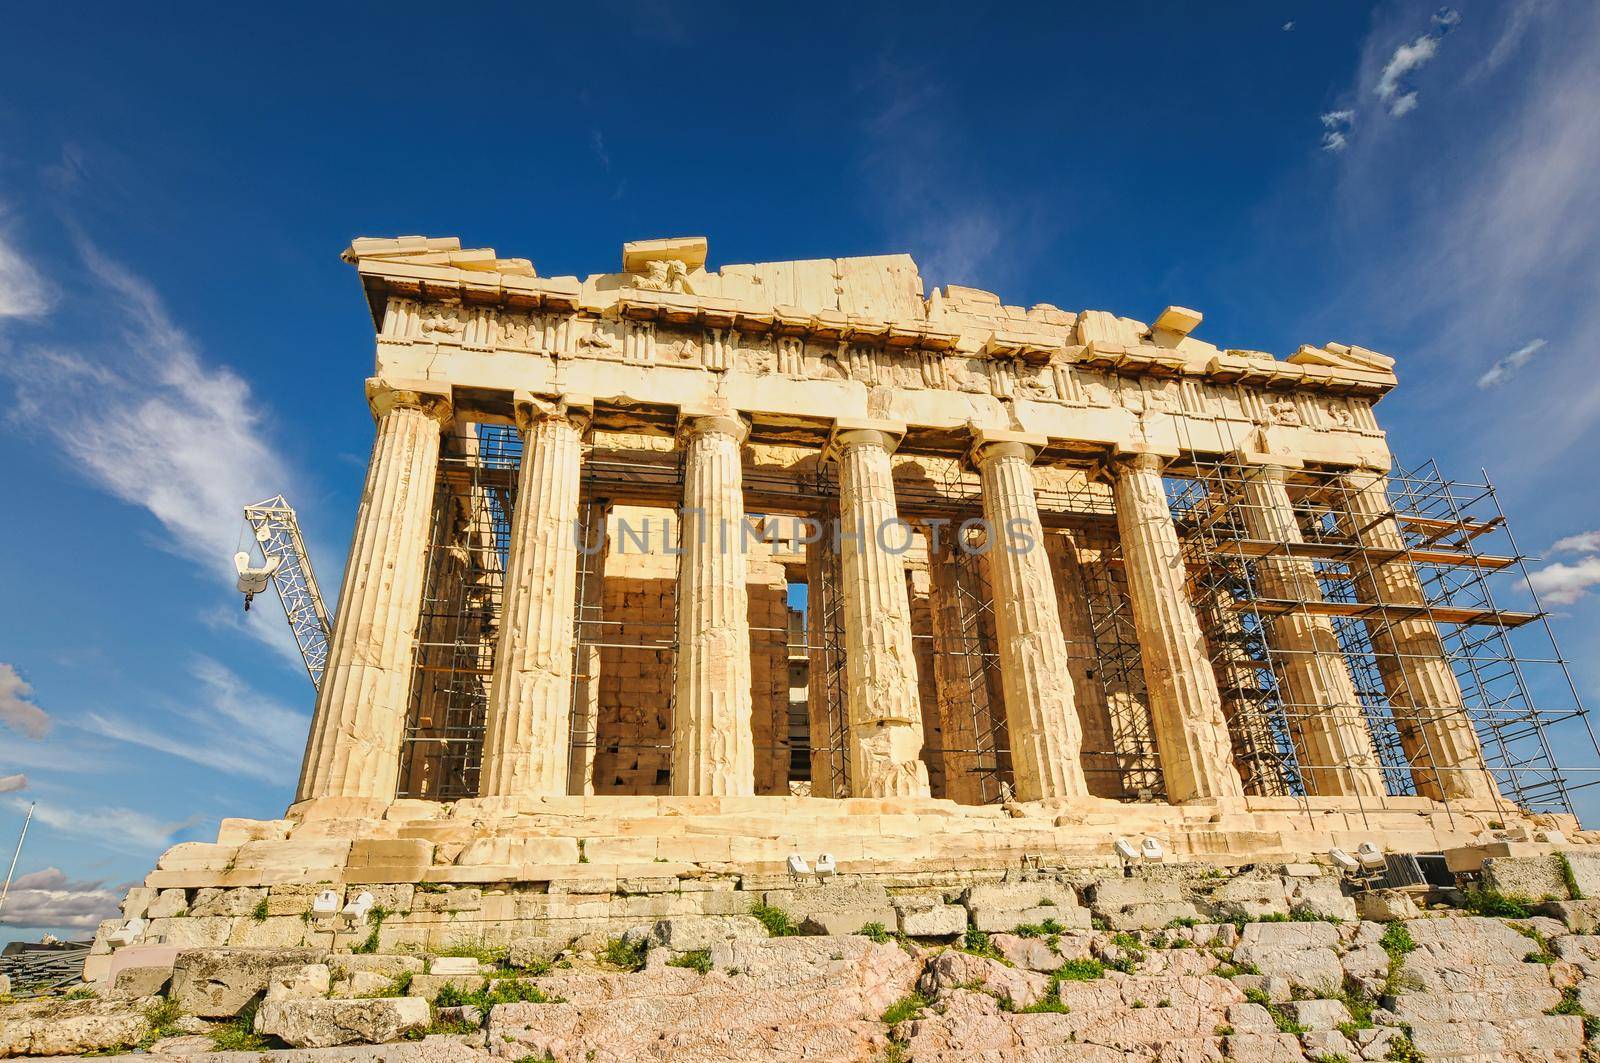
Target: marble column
{"x": 588, "y": 632}
{"x": 1326, "y": 721}
{"x": 713, "y": 751}
{"x": 353, "y": 749}
{"x": 527, "y": 726}
{"x": 1185, "y": 707}
{"x": 1435, "y": 733}
{"x": 883, "y": 700}
{"x": 1041, "y": 714}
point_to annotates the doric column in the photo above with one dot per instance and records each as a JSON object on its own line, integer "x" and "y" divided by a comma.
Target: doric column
{"x": 1326, "y": 720}
{"x": 353, "y": 749}
{"x": 527, "y": 726}
{"x": 884, "y": 704}
{"x": 1041, "y": 716}
{"x": 1185, "y": 708}
{"x": 1430, "y": 716}
{"x": 588, "y": 630}
{"x": 713, "y": 751}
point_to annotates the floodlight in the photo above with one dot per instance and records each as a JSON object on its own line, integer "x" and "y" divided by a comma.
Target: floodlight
{"x": 825, "y": 866}
{"x": 798, "y": 868}
{"x": 1125, "y": 849}
{"x": 1343, "y": 860}
{"x": 1151, "y": 849}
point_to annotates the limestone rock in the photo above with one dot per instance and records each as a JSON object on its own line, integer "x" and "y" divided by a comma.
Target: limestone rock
{"x": 326, "y": 1023}
{"x": 167, "y": 903}
{"x": 1032, "y": 954}
{"x": 1318, "y": 1014}
{"x": 1385, "y": 906}
{"x": 217, "y": 983}
{"x": 998, "y": 908}
{"x": 306, "y": 981}
{"x": 1250, "y": 898}
{"x": 935, "y": 920}
{"x": 1302, "y": 953}
{"x": 56, "y": 1027}
{"x": 133, "y": 982}
{"x": 685, "y": 933}
{"x": 231, "y": 902}
{"x": 1139, "y": 904}
{"x": 960, "y": 970}
{"x": 835, "y": 908}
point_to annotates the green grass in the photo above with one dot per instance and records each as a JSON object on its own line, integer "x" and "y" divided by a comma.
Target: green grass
{"x": 479, "y": 950}
{"x": 697, "y": 960}
{"x": 904, "y": 1008}
{"x": 1401, "y": 1050}
{"x": 1280, "y": 1018}
{"x": 259, "y": 912}
{"x": 776, "y": 920}
{"x": 583, "y": 857}
{"x": 627, "y": 955}
{"x": 1396, "y": 941}
{"x": 500, "y": 991}
{"x": 978, "y": 944}
{"x": 1486, "y": 900}
{"x": 376, "y": 918}
{"x": 1080, "y": 971}
{"x": 1543, "y": 955}
{"x": 238, "y": 1034}
{"x": 875, "y": 932}
{"x": 1567, "y": 877}
{"x": 400, "y": 986}
{"x": 81, "y": 992}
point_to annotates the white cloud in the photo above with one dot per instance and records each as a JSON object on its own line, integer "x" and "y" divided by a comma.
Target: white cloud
{"x": 10, "y": 784}
{"x": 1336, "y": 126}
{"x": 150, "y": 422}
{"x": 16, "y": 711}
{"x": 226, "y": 726}
{"x": 120, "y": 829}
{"x": 1559, "y": 583}
{"x": 1507, "y": 367}
{"x": 1582, "y": 543}
{"x": 47, "y": 898}
{"x": 1406, "y": 59}
{"x": 23, "y": 292}
{"x": 1287, "y": 26}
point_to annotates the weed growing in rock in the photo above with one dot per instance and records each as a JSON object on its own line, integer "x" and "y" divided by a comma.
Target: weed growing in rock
{"x": 904, "y": 1008}
{"x": 502, "y": 991}
{"x": 1486, "y": 900}
{"x": 376, "y": 918}
{"x": 1401, "y": 1050}
{"x": 776, "y": 920}
{"x": 1080, "y": 971}
{"x": 162, "y": 1017}
{"x": 239, "y": 1034}
{"x": 1568, "y": 878}
{"x": 629, "y": 955}
{"x": 479, "y": 950}
{"x": 1280, "y": 1018}
{"x": 400, "y": 986}
{"x": 875, "y": 932}
{"x": 1396, "y": 941}
{"x": 697, "y": 960}
{"x": 259, "y": 912}
{"x": 1543, "y": 955}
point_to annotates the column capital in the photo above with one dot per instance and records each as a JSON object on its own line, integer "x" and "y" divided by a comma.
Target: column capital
{"x": 699, "y": 421}
{"x": 432, "y": 397}
{"x": 1141, "y": 456}
{"x": 991, "y": 443}
{"x": 532, "y": 409}
{"x": 862, "y": 431}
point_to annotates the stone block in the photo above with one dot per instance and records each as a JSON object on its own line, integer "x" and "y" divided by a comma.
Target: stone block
{"x": 1139, "y": 903}
{"x": 951, "y": 971}
{"x": 427, "y": 986}
{"x": 687, "y": 933}
{"x": 190, "y": 933}
{"x": 1250, "y": 898}
{"x": 294, "y": 898}
{"x": 1580, "y": 917}
{"x": 1264, "y": 1048}
{"x": 274, "y": 932}
{"x": 217, "y": 983}
{"x": 167, "y": 904}
{"x": 1386, "y": 906}
{"x": 391, "y": 967}
{"x": 462, "y": 899}
{"x": 303, "y": 981}
{"x": 329, "y": 1023}
{"x": 388, "y": 860}
{"x": 136, "y": 903}
{"x": 1318, "y": 1014}
{"x": 1323, "y": 1044}
{"x": 1585, "y": 872}
{"x": 1535, "y": 877}
{"x": 363, "y": 984}
{"x": 937, "y": 920}
{"x": 528, "y": 952}
{"x": 229, "y": 902}
{"x": 1321, "y": 897}
{"x": 1250, "y": 1018}
{"x": 133, "y": 981}
{"x": 453, "y": 965}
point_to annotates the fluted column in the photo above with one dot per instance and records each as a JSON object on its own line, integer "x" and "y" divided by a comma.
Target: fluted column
{"x": 1435, "y": 733}
{"x": 1041, "y": 715}
{"x": 353, "y": 749}
{"x": 1185, "y": 708}
{"x": 885, "y": 707}
{"x": 713, "y": 751}
{"x": 1326, "y": 720}
{"x": 527, "y": 726}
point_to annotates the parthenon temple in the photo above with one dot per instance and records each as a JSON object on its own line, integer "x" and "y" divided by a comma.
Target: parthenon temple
{"x": 797, "y": 529}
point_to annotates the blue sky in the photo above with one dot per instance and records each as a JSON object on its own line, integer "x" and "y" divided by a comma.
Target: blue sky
{"x": 178, "y": 336}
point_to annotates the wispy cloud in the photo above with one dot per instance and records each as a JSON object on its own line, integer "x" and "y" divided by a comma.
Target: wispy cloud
{"x": 147, "y": 418}
{"x": 1507, "y": 367}
{"x": 1407, "y": 59}
{"x": 10, "y": 784}
{"x": 225, "y": 726}
{"x": 597, "y": 144}
{"x": 49, "y": 899}
{"x": 1582, "y": 543}
{"x": 16, "y": 710}
{"x": 23, "y": 291}
{"x": 1336, "y": 126}
{"x": 1559, "y": 583}
{"x": 121, "y": 829}
{"x": 1288, "y": 26}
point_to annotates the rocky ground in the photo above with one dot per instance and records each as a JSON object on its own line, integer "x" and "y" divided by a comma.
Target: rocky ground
{"x": 1019, "y": 971}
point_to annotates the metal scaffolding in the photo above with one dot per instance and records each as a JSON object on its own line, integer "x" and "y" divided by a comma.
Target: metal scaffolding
{"x": 1448, "y": 539}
